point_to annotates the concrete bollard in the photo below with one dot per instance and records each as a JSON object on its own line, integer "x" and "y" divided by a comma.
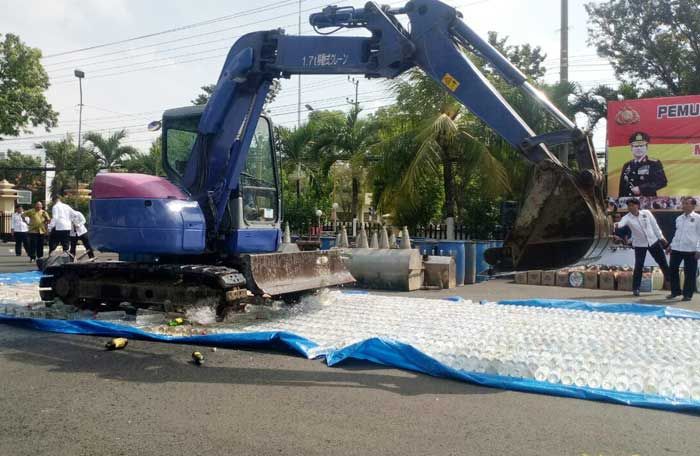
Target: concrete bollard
{"x": 362, "y": 239}
{"x": 392, "y": 240}
{"x": 405, "y": 239}
{"x": 343, "y": 239}
{"x": 450, "y": 223}
{"x": 287, "y": 239}
{"x": 287, "y": 246}
{"x": 383, "y": 239}
{"x": 374, "y": 244}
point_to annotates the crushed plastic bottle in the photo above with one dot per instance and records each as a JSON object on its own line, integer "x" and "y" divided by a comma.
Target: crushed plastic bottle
{"x": 150, "y": 317}
{"x": 116, "y": 315}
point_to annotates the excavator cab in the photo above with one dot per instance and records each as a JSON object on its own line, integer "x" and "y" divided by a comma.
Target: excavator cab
{"x": 255, "y": 205}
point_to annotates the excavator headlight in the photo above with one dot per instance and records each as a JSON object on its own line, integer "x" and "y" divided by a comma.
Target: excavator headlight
{"x": 179, "y": 205}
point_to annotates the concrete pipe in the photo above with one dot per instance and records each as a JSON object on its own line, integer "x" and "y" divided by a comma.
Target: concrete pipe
{"x": 386, "y": 269}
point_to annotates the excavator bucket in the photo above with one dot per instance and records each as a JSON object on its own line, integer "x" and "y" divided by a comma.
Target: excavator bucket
{"x": 284, "y": 273}
{"x": 562, "y": 222}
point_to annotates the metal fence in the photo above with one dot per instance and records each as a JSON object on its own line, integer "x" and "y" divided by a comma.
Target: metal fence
{"x": 430, "y": 231}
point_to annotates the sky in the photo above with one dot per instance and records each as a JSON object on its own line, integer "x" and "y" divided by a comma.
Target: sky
{"x": 130, "y": 83}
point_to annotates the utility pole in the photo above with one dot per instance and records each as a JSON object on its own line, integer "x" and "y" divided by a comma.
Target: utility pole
{"x": 299, "y": 77}
{"x": 564, "y": 65}
{"x": 80, "y": 75}
{"x": 357, "y": 200}
{"x": 564, "y": 46}
{"x": 356, "y": 83}
{"x": 298, "y": 175}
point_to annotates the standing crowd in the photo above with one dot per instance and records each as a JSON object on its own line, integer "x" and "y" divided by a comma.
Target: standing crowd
{"x": 65, "y": 227}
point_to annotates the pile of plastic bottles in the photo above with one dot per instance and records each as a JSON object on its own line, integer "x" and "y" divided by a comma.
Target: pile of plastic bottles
{"x": 611, "y": 351}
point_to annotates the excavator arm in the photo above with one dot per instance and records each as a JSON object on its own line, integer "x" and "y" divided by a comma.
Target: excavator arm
{"x": 562, "y": 220}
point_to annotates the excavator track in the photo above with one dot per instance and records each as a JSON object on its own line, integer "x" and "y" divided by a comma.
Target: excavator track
{"x": 108, "y": 284}
{"x": 98, "y": 284}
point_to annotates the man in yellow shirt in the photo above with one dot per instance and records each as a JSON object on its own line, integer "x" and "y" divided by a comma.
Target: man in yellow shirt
{"x": 38, "y": 220}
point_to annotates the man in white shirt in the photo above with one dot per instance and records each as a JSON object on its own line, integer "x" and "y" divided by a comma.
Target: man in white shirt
{"x": 19, "y": 231}
{"x": 646, "y": 235}
{"x": 60, "y": 218}
{"x": 78, "y": 232}
{"x": 685, "y": 247}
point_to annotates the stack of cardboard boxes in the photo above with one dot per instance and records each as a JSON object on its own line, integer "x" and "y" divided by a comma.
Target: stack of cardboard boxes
{"x": 592, "y": 277}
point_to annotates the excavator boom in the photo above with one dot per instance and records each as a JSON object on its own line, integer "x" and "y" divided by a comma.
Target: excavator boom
{"x": 563, "y": 219}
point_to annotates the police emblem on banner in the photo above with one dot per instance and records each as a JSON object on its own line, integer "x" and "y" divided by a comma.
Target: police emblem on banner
{"x": 627, "y": 116}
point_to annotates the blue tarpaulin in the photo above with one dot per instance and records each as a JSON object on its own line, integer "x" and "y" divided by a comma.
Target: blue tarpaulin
{"x": 12, "y": 278}
{"x": 393, "y": 353}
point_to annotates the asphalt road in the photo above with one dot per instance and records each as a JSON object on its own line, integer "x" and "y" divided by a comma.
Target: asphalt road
{"x": 65, "y": 395}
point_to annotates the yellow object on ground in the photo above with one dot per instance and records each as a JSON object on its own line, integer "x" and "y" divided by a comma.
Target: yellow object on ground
{"x": 117, "y": 344}
{"x": 198, "y": 358}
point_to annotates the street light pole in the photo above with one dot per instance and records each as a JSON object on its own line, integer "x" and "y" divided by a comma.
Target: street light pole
{"x": 80, "y": 75}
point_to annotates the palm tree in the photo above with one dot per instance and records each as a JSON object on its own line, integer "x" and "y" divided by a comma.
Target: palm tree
{"x": 445, "y": 141}
{"x": 294, "y": 145}
{"x": 348, "y": 139}
{"x": 68, "y": 164}
{"x": 150, "y": 163}
{"x": 108, "y": 151}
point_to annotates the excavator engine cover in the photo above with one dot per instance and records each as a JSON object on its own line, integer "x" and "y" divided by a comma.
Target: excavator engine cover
{"x": 562, "y": 222}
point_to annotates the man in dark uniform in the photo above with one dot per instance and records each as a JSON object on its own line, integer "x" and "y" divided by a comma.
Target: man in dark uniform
{"x": 642, "y": 176}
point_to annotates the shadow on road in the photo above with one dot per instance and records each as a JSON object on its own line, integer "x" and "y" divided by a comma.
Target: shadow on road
{"x": 77, "y": 354}
{"x": 622, "y": 299}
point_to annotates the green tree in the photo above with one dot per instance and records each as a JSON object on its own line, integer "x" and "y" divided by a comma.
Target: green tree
{"x": 527, "y": 58}
{"x": 419, "y": 98}
{"x": 23, "y": 82}
{"x": 305, "y": 187}
{"x": 293, "y": 145}
{"x": 651, "y": 44}
{"x": 396, "y": 148}
{"x": 347, "y": 138}
{"x": 69, "y": 165}
{"x": 25, "y": 171}
{"x": 150, "y": 163}
{"x": 445, "y": 142}
{"x": 203, "y": 97}
{"x": 108, "y": 151}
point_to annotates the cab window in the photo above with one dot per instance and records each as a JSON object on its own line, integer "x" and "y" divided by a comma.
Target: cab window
{"x": 179, "y": 138}
{"x": 258, "y": 179}
{"x": 179, "y": 149}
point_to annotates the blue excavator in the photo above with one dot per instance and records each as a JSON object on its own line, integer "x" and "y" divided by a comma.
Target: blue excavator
{"x": 211, "y": 230}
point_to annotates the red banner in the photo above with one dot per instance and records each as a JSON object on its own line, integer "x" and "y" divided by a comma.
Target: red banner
{"x": 654, "y": 150}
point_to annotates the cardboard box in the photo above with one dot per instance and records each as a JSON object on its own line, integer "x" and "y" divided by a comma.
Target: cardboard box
{"x": 562, "y": 278}
{"x": 534, "y": 277}
{"x": 521, "y": 278}
{"x": 624, "y": 281}
{"x": 606, "y": 280}
{"x": 549, "y": 278}
{"x": 590, "y": 279}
